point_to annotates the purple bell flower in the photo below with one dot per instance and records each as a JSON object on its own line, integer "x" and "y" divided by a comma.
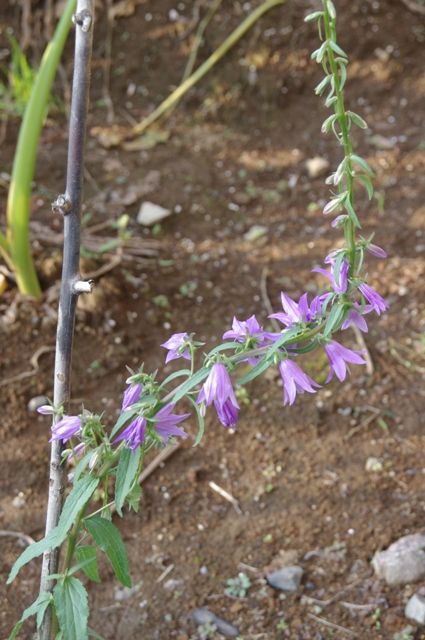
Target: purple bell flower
{"x": 337, "y": 278}
{"x": 294, "y": 312}
{"x": 131, "y": 395}
{"x": 166, "y": 421}
{"x": 375, "y": 300}
{"x": 174, "y": 346}
{"x": 376, "y": 251}
{"x": 295, "y": 380}
{"x": 218, "y": 388}
{"x": 243, "y": 329}
{"x": 134, "y": 434}
{"x": 355, "y": 318}
{"x": 338, "y": 356}
{"x": 66, "y": 428}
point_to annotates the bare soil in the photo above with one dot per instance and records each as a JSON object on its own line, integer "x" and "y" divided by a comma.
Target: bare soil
{"x": 235, "y": 158}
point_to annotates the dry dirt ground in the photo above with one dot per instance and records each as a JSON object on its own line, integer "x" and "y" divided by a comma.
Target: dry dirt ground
{"x": 235, "y": 157}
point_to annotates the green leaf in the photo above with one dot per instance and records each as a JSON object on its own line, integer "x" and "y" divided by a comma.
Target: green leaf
{"x": 351, "y": 213}
{"x": 343, "y": 72}
{"x": 124, "y": 417}
{"x": 367, "y": 183}
{"x": 128, "y": 466}
{"x": 224, "y": 347}
{"x": 319, "y": 89}
{"x": 319, "y": 54}
{"x": 316, "y": 15}
{"x": 81, "y": 465}
{"x": 326, "y": 126}
{"x": 201, "y": 421}
{"x": 87, "y": 554}
{"x": 335, "y": 318}
{"x": 72, "y": 608}
{"x": 108, "y": 538}
{"x": 337, "y": 49}
{"x": 331, "y": 100}
{"x": 37, "y": 608}
{"x": 189, "y": 384}
{"x": 256, "y": 371}
{"x": 331, "y": 9}
{"x": 79, "y": 496}
{"x": 362, "y": 163}
{"x": 173, "y": 376}
{"x": 133, "y": 498}
{"x": 357, "y": 120}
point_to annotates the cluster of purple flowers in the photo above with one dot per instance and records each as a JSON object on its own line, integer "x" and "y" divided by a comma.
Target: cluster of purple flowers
{"x": 160, "y": 422}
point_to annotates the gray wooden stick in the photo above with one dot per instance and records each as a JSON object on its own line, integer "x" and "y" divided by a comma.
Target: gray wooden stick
{"x": 69, "y": 205}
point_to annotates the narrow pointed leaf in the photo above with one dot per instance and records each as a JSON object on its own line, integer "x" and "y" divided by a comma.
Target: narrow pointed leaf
{"x": 72, "y": 609}
{"x": 128, "y": 466}
{"x": 108, "y": 538}
{"x": 86, "y": 554}
{"x": 37, "y": 608}
{"x": 79, "y": 496}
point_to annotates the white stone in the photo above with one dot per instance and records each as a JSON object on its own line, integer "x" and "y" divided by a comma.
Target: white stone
{"x": 150, "y": 213}
{"x": 403, "y": 562}
{"x": 317, "y": 167}
{"x": 286, "y": 579}
{"x": 415, "y": 609}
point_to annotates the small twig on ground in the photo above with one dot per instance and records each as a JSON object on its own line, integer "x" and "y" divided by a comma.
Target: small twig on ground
{"x": 365, "y": 423}
{"x": 332, "y": 625}
{"x": 16, "y": 534}
{"x": 33, "y": 362}
{"x": 266, "y": 299}
{"x": 160, "y": 458}
{"x": 248, "y": 567}
{"x": 227, "y": 496}
{"x": 106, "y": 268}
{"x": 106, "y": 93}
{"x": 352, "y": 606}
{"x": 362, "y": 344}
{"x": 165, "y": 573}
{"x": 26, "y": 25}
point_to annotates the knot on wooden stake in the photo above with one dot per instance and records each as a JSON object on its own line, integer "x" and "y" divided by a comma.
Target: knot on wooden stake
{"x": 83, "y": 19}
{"x": 62, "y": 205}
{"x": 83, "y": 286}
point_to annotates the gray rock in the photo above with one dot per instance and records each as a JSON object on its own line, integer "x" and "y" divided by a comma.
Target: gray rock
{"x": 403, "y": 562}
{"x": 317, "y": 167}
{"x": 205, "y": 616}
{"x": 150, "y": 213}
{"x": 286, "y": 579}
{"x": 415, "y": 608}
{"x": 37, "y": 402}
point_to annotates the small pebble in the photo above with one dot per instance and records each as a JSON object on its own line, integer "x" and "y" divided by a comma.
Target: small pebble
{"x": 286, "y": 579}
{"x": 205, "y": 616}
{"x": 415, "y": 609}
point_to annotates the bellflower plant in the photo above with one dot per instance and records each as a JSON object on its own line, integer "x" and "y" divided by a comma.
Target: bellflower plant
{"x": 112, "y": 459}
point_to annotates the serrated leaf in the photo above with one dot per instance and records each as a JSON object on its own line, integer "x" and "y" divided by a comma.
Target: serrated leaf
{"x": 86, "y": 554}
{"x": 190, "y": 384}
{"x": 108, "y": 538}
{"x": 37, "y": 608}
{"x": 72, "y": 609}
{"x": 79, "y": 496}
{"x": 133, "y": 498}
{"x": 128, "y": 466}
{"x": 256, "y": 371}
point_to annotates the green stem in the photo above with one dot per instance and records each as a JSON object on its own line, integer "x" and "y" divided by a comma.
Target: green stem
{"x": 18, "y": 202}
{"x": 349, "y": 229}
